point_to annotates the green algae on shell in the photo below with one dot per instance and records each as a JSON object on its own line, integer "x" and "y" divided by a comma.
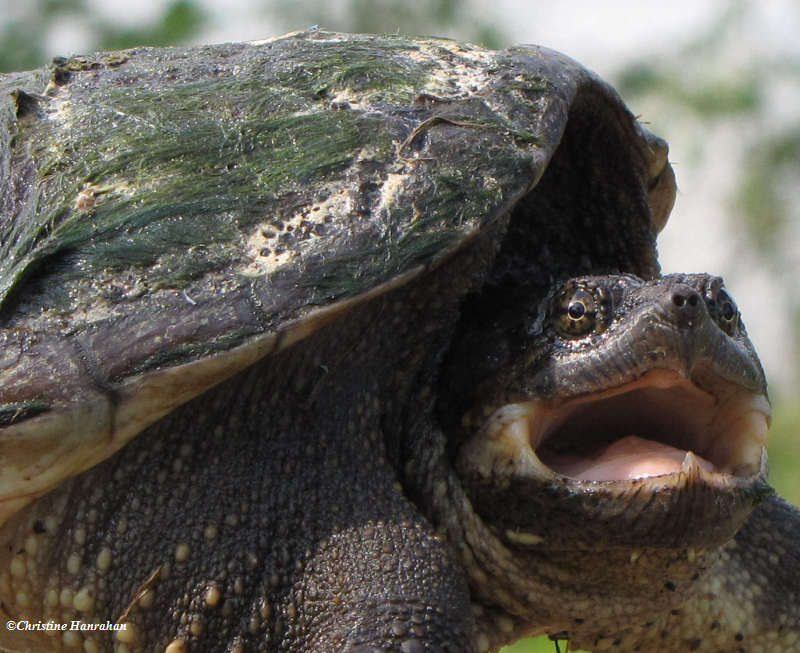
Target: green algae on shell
{"x": 170, "y": 216}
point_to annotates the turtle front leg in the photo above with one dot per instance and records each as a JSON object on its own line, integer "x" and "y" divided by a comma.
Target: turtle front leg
{"x": 749, "y": 601}
{"x": 386, "y": 587}
{"x": 216, "y": 530}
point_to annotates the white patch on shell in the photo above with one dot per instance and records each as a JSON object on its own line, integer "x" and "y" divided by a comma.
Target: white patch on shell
{"x": 390, "y": 188}
{"x": 467, "y": 79}
{"x": 349, "y": 97}
{"x": 263, "y": 247}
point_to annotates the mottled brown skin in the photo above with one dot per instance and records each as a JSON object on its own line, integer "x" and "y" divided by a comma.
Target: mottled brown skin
{"x": 299, "y": 522}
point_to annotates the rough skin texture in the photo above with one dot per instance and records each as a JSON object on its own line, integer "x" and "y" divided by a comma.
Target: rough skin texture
{"x": 311, "y": 502}
{"x": 271, "y": 506}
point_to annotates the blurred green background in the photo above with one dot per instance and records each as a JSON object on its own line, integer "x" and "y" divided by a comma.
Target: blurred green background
{"x": 720, "y": 82}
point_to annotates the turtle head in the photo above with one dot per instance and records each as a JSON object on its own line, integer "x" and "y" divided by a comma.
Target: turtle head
{"x": 616, "y": 413}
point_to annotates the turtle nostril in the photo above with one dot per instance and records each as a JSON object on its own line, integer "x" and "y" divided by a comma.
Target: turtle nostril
{"x": 682, "y": 298}
{"x": 686, "y": 303}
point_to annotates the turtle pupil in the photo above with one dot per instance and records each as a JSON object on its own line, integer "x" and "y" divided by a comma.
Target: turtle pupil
{"x": 727, "y": 311}
{"x": 576, "y": 310}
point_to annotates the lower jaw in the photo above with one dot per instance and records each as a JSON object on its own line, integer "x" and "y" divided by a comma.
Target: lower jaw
{"x": 629, "y": 458}
{"x": 676, "y": 511}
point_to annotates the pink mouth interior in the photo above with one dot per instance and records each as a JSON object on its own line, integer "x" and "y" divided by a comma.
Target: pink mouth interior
{"x": 644, "y": 431}
{"x": 627, "y": 458}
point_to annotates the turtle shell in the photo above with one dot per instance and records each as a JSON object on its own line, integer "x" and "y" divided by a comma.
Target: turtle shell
{"x": 170, "y": 216}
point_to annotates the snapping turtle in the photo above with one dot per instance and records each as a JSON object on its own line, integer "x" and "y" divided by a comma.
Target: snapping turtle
{"x": 355, "y": 343}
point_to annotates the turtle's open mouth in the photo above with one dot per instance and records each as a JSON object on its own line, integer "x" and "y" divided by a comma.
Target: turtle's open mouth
{"x": 659, "y": 425}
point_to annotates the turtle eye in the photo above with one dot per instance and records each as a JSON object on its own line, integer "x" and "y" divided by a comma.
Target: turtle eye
{"x": 575, "y": 312}
{"x": 724, "y": 312}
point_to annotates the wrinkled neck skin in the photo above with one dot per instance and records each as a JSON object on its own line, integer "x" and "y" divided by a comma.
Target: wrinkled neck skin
{"x": 604, "y": 445}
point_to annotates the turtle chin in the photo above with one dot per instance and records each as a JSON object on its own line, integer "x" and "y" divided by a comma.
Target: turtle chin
{"x": 662, "y": 461}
